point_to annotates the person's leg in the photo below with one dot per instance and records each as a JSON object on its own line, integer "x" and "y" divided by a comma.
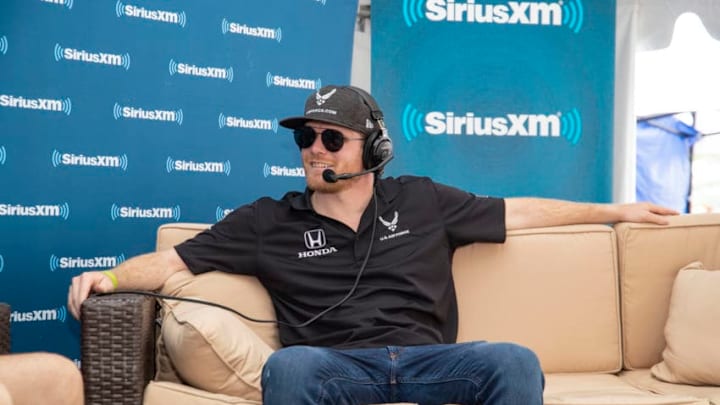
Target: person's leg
{"x": 468, "y": 373}
{"x": 41, "y": 378}
{"x": 302, "y": 375}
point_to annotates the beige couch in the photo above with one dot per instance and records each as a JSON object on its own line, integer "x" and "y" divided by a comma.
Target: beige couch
{"x": 591, "y": 300}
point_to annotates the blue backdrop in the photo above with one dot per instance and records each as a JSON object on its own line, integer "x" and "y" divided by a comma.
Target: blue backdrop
{"x": 499, "y": 98}
{"x": 118, "y": 116}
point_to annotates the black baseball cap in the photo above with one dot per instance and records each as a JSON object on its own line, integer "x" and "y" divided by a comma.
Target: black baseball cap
{"x": 347, "y": 106}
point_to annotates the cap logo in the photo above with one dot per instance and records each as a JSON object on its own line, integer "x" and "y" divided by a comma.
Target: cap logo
{"x": 321, "y": 99}
{"x": 369, "y": 124}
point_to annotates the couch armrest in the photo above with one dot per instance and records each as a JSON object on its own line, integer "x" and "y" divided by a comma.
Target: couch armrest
{"x": 118, "y": 347}
{"x": 4, "y": 328}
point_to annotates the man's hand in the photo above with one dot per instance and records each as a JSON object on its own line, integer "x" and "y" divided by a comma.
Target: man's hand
{"x": 645, "y": 212}
{"x": 83, "y": 285}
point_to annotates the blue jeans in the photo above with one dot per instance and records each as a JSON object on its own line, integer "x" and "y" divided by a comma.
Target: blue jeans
{"x": 466, "y": 373}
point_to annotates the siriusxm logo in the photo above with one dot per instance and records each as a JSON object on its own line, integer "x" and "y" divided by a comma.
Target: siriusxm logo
{"x": 247, "y": 123}
{"x": 102, "y": 262}
{"x": 3, "y": 155}
{"x": 144, "y": 213}
{"x": 568, "y": 124}
{"x": 200, "y": 167}
{"x": 295, "y": 83}
{"x": 120, "y": 111}
{"x": 16, "y": 210}
{"x": 66, "y": 3}
{"x": 221, "y": 213}
{"x": 563, "y": 12}
{"x": 207, "y": 71}
{"x": 61, "y": 105}
{"x": 102, "y": 58}
{"x": 40, "y": 315}
{"x": 256, "y": 32}
{"x": 71, "y": 159}
{"x": 170, "y": 17}
{"x": 3, "y": 44}
{"x": 282, "y": 171}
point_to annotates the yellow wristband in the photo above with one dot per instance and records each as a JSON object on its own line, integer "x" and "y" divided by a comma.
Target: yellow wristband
{"x": 112, "y": 278}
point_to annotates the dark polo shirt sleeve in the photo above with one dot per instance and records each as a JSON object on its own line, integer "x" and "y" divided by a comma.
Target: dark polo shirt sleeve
{"x": 469, "y": 218}
{"x": 230, "y": 245}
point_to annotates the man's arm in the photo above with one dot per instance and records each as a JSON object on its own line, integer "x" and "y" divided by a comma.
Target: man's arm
{"x": 538, "y": 212}
{"x": 145, "y": 272}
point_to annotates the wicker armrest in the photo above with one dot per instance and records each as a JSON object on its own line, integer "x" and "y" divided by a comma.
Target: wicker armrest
{"x": 4, "y": 328}
{"x": 118, "y": 348}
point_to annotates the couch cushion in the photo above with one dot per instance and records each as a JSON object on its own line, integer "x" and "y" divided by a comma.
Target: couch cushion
{"x": 214, "y": 350}
{"x": 692, "y": 332}
{"x": 553, "y": 290}
{"x": 605, "y": 389}
{"x": 649, "y": 258}
{"x": 644, "y": 380}
{"x": 164, "y": 393}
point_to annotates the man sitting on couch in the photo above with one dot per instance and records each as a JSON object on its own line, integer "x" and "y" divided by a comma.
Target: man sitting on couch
{"x": 363, "y": 318}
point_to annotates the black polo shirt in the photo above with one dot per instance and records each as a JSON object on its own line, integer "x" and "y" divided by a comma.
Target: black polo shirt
{"x": 309, "y": 262}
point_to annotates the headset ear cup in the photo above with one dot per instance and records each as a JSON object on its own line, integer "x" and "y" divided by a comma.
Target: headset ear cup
{"x": 368, "y": 150}
{"x": 378, "y": 147}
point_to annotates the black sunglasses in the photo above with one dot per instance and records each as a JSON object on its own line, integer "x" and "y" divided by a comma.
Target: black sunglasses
{"x": 332, "y": 139}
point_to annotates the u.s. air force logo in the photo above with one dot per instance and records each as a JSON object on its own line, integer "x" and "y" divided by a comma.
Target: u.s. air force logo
{"x": 316, "y": 242}
{"x": 392, "y": 226}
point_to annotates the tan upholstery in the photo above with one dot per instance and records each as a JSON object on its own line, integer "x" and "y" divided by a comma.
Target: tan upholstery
{"x": 503, "y": 295}
{"x": 591, "y": 300}
{"x": 649, "y": 257}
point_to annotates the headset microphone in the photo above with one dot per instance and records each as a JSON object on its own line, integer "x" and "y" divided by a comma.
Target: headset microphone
{"x": 331, "y": 177}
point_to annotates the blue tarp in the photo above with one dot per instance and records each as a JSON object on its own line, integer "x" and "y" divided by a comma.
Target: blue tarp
{"x": 663, "y": 161}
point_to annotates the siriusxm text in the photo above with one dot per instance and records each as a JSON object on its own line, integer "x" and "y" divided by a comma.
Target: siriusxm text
{"x": 93, "y": 57}
{"x": 447, "y": 123}
{"x": 513, "y": 12}
{"x": 156, "y": 115}
{"x": 31, "y": 103}
{"x": 137, "y": 212}
{"x": 35, "y": 316}
{"x": 252, "y": 123}
{"x": 260, "y": 32}
{"x": 155, "y": 15}
{"x": 209, "y": 71}
{"x": 294, "y": 83}
{"x": 206, "y": 167}
{"x": 31, "y": 210}
{"x": 87, "y": 263}
{"x": 71, "y": 159}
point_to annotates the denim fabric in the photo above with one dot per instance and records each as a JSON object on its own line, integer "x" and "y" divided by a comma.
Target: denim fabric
{"x": 466, "y": 373}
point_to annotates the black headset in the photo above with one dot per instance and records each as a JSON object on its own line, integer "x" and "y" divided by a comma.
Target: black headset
{"x": 378, "y": 146}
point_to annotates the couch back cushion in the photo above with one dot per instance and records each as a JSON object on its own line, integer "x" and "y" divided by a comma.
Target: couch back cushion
{"x": 553, "y": 290}
{"x": 649, "y": 257}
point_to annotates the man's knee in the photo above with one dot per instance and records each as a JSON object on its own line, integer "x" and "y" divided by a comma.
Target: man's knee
{"x": 295, "y": 361}
{"x": 509, "y": 360}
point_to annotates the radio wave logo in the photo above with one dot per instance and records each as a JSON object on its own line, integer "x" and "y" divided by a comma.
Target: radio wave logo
{"x": 569, "y": 13}
{"x": 2, "y": 263}
{"x": 208, "y": 71}
{"x": 573, "y": 14}
{"x": 143, "y": 213}
{"x": 39, "y": 315}
{"x": 61, "y": 53}
{"x": 257, "y": 32}
{"x": 70, "y": 159}
{"x": 283, "y": 81}
{"x": 128, "y": 10}
{"x": 412, "y": 11}
{"x": 266, "y": 170}
{"x": 412, "y": 122}
{"x": 65, "y": 211}
{"x": 247, "y": 123}
{"x": 571, "y": 126}
{"x": 434, "y": 123}
{"x": 62, "y": 311}
{"x": 221, "y": 213}
{"x": 57, "y": 263}
{"x": 59, "y": 105}
{"x": 66, "y": 3}
{"x": 120, "y": 111}
{"x": 3, "y": 155}
{"x": 3, "y": 44}
{"x": 201, "y": 167}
